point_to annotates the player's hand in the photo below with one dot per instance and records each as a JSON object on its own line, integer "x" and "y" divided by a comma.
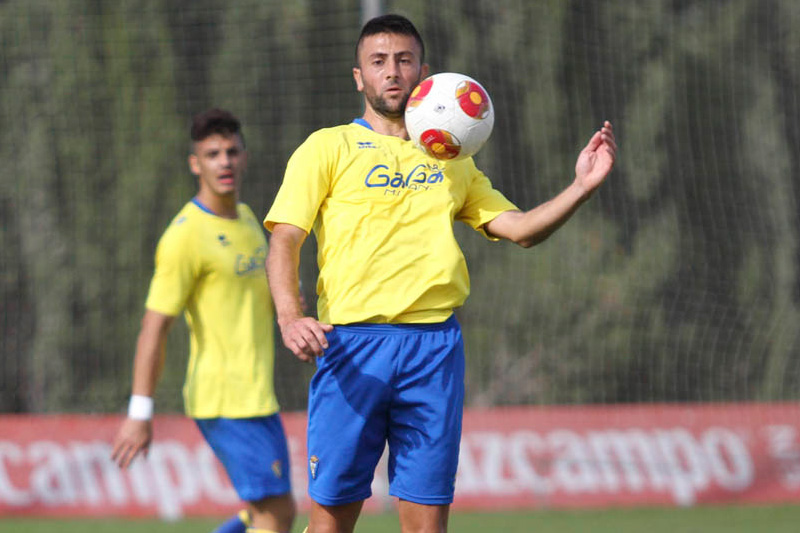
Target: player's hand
{"x": 305, "y": 337}
{"x": 133, "y": 438}
{"x": 596, "y": 159}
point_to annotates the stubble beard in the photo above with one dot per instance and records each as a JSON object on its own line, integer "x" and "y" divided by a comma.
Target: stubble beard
{"x": 385, "y": 108}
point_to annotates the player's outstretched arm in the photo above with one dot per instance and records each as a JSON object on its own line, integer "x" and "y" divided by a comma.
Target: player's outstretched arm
{"x": 303, "y": 335}
{"x": 136, "y": 433}
{"x": 532, "y": 227}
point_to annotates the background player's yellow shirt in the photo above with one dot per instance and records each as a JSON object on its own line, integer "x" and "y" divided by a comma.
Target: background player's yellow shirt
{"x": 383, "y": 215}
{"x": 213, "y": 268}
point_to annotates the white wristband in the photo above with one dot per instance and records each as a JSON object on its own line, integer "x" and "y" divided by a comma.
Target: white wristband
{"x": 140, "y": 407}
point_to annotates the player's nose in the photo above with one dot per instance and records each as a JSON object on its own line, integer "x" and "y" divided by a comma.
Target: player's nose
{"x": 392, "y": 70}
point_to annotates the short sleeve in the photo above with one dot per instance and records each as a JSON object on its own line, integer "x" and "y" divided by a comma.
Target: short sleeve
{"x": 483, "y": 203}
{"x": 176, "y": 270}
{"x": 305, "y": 186}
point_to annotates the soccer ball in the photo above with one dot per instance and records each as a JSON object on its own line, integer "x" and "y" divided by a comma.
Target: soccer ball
{"x": 449, "y": 116}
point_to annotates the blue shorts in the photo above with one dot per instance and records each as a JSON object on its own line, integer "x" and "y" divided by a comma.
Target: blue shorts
{"x": 253, "y": 452}
{"x": 402, "y": 384}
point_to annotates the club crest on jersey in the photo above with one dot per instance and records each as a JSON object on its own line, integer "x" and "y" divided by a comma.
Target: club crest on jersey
{"x": 313, "y": 462}
{"x": 223, "y": 239}
{"x": 277, "y": 469}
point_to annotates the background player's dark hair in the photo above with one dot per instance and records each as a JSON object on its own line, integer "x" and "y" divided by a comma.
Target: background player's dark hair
{"x": 391, "y": 24}
{"x": 215, "y": 121}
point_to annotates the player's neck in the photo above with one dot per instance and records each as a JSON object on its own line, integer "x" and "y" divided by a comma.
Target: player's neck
{"x": 221, "y": 205}
{"x": 386, "y": 125}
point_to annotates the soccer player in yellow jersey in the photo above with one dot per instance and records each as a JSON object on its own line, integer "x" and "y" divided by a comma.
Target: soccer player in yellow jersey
{"x": 388, "y": 349}
{"x": 209, "y": 264}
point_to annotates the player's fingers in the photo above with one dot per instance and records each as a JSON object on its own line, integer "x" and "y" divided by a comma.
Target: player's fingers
{"x": 300, "y": 354}
{"x": 319, "y": 334}
{"x": 125, "y": 456}
{"x": 594, "y": 142}
{"x": 305, "y": 337}
{"x": 303, "y": 357}
{"x": 121, "y": 447}
{"x": 302, "y": 348}
{"x": 125, "y": 459}
{"x": 133, "y": 453}
{"x": 115, "y": 452}
{"x": 320, "y": 340}
{"x": 313, "y": 334}
{"x": 611, "y": 146}
{"x": 313, "y": 345}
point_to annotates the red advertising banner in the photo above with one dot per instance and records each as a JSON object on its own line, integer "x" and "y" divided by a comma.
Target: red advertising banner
{"x": 532, "y": 457}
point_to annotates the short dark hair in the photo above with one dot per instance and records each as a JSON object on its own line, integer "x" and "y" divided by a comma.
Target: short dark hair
{"x": 215, "y": 121}
{"x": 391, "y": 23}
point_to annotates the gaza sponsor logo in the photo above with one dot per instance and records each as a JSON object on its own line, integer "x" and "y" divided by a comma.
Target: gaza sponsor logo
{"x": 253, "y": 263}
{"x": 421, "y": 177}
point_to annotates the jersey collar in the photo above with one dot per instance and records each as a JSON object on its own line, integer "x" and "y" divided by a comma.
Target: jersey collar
{"x": 202, "y": 207}
{"x": 362, "y": 122}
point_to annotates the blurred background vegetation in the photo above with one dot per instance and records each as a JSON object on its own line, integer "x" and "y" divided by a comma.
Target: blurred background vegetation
{"x": 677, "y": 282}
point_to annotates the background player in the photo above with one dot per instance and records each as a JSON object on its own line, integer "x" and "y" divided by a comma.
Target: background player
{"x": 389, "y": 353}
{"x": 209, "y": 262}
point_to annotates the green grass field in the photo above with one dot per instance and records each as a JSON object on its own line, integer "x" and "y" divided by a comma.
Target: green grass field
{"x": 743, "y": 519}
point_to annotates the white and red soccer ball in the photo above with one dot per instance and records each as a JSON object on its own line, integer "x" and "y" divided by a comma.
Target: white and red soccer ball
{"x": 449, "y": 116}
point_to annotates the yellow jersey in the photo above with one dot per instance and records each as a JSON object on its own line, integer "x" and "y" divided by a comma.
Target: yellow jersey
{"x": 212, "y": 268}
{"x": 383, "y": 213}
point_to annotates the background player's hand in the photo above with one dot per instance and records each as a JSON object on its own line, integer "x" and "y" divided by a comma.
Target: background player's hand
{"x": 596, "y": 159}
{"x": 133, "y": 438}
{"x": 305, "y": 337}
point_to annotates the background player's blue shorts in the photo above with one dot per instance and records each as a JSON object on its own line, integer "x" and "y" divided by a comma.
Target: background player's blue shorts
{"x": 253, "y": 452}
{"x": 402, "y": 384}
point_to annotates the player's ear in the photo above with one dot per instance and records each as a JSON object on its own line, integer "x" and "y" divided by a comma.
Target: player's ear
{"x": 424, "y": 71}
{"x": 194, "y": 164}
{"x": 359, "y": 80}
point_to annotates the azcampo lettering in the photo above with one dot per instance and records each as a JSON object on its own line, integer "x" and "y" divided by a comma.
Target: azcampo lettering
{"x": 420, "y": 177}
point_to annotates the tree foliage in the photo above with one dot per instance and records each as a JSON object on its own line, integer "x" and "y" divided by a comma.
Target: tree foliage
{"x": 677, "y": 282}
